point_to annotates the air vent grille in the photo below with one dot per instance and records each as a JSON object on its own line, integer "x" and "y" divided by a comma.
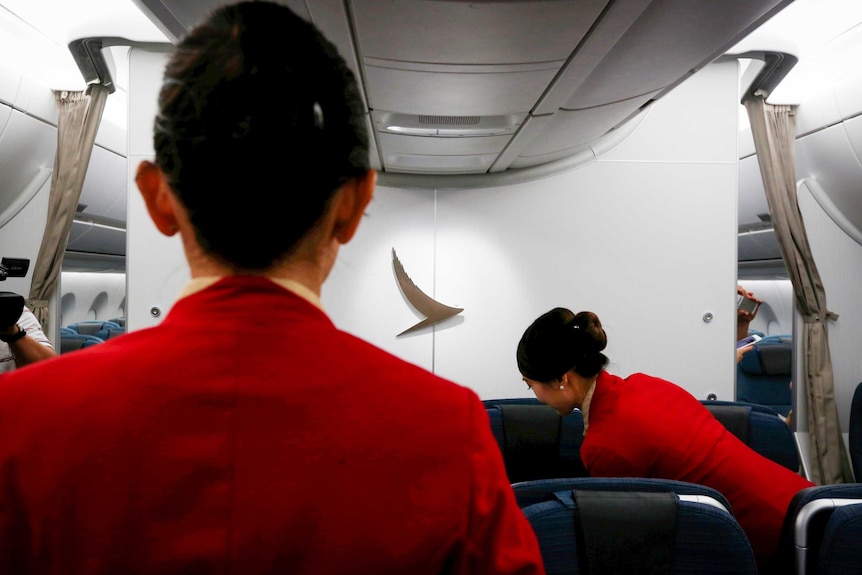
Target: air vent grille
{"x": 449, "y": 120}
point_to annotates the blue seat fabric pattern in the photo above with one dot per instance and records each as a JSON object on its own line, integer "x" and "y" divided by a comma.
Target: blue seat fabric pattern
{"x": 74, "y": 341}
{"x": 559, "y": 454}
{"x": 100, "y": 329}
{"x": 538, "y": 490}
{"x": 705, "y": 539}
{"x": 841, "y": 547}
{"x": 805, "y": 525}
{"x": 768, "y": 434}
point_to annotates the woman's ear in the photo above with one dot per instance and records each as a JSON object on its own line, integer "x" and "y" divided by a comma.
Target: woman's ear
{"x": 354, "y": 197}
{"x": 563, "y": 381}
{"x": 157, "y": 196}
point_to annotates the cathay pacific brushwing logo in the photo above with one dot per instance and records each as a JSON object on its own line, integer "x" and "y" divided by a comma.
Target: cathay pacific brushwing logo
{"x": 433, "y": 310}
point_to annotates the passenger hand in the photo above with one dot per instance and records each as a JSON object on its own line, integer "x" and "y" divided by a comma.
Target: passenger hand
{"x": 742, "y": 315}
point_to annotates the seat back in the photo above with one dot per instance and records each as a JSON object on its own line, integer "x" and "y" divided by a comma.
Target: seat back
{"x": 632, "y": 525}
{"x": 112, "y": 332}
{"x": 97, "y": 328}
{"x": 74, "y": 341}
{"x": 538, "y": 490}
{"x": 841, "y": 548}
{"x": 511, "y": 401}
{"x": 763, "y": 374}
{"x": 854, "y": 433}
{"x": 805, "y": 525}
{"x": 535, "y": 441}
{"x": 759, "y": 427}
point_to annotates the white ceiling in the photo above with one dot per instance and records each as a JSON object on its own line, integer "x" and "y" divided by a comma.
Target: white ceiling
{"x": 804, "y": 28}
{"x": 45, "y": 27}
{"x": 816, "y": 31}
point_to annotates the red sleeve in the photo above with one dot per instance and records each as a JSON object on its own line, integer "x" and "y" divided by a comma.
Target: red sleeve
{"x": 499, "y": 539}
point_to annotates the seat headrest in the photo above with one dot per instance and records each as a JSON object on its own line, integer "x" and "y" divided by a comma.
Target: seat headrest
{"x": 627, "y": 531}
{"x": 776, "y": 359}
{"x": 734, "y": 417}
{"x": 531, "y": 435}
{"x": 773, "y": 358}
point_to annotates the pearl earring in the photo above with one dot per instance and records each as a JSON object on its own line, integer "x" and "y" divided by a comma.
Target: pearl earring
{"x": 562, "y": 387}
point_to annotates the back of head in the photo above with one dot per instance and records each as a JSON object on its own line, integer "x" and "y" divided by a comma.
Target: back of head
{"x": 259, "y": 122}
{"x": 560, "y": 340}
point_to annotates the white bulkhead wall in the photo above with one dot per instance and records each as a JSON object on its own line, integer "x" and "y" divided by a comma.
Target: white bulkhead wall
{"x": 645, "y": 236}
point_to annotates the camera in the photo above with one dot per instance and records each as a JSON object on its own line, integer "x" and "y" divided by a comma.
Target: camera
{"x": 11, "y": 306}
{"x": 13, "y": 268}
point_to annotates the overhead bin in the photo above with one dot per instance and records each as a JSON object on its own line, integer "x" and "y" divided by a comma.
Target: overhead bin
{"x": 589, "y": 65}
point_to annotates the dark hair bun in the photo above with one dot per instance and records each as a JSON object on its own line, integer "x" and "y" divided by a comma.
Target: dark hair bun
{"x": 591, "y": 336}
{"x": 558, "y": 341}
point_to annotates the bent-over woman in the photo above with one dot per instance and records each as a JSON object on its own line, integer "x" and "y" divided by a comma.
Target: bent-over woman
{"x": 644, "y": 426}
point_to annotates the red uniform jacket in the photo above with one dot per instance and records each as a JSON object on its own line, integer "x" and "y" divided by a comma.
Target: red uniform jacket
{"x": 643, "y": 426}
{"x": 246, "y": 434}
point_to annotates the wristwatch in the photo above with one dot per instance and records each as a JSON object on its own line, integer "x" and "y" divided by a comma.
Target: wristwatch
{"x": 13, "y": 337}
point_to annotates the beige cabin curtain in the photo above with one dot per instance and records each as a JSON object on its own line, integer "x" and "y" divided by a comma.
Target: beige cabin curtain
{"x": 774, "y": 131}
{"x": 79, "y": 115}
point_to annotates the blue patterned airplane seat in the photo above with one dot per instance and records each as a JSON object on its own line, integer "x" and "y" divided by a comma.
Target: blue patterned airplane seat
{"x": 760, "y": 428}
{"x": 74, "y": 341}
{"x": 630, "y": 525}
{"x": 841, "y": 548}
{"x": 98, "y": 328}
{"x": 803, "y": 536}
{"x": 536, "y": 442}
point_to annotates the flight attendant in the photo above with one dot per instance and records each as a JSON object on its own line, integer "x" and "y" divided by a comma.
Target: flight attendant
{"x": 643, "y": 426}
{"x": 246, "y": 433}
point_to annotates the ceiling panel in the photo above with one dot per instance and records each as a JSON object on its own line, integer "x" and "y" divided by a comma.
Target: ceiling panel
{"x": 478, "y": 63}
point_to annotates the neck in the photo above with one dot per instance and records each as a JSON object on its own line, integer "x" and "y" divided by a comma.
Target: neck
{"x": 581, "y": 386}
{"x": 308, "y": 265}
